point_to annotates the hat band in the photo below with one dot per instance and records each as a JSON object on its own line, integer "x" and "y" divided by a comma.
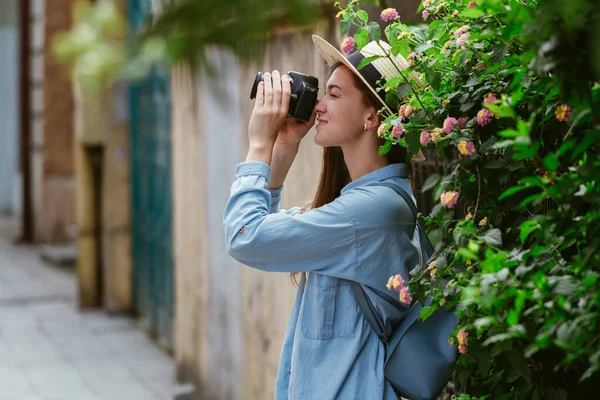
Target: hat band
{"x": 369, "y": 72}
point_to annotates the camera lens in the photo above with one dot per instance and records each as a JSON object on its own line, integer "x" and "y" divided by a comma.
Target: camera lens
{"x": 257, "y": 80}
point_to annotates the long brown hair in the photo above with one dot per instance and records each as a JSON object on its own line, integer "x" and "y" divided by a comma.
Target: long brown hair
{"x": 334, "y": 173}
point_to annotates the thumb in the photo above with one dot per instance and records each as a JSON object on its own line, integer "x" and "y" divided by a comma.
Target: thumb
{"x": 313, "y": 116}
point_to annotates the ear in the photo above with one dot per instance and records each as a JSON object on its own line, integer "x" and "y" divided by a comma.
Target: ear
{"x": 372, "y": 120}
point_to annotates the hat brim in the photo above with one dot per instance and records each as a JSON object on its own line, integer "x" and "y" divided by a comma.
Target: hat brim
{"x": 333, "y": 56}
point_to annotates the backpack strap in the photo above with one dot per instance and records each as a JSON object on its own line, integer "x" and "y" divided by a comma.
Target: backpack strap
{"x": 369, "y": 311}
{"x": 425, "y": 251}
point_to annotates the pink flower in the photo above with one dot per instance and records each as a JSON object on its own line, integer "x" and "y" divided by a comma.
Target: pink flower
{"x": 398, "y": 131}
{"x": 389, "y": 14}
{"x": 425, "y": 137}
{"x": 490, "y": 98}
{"x": 462, "y": 40}
{"x": 406, "y": 110}
{"x": 436, "y": 134}
{"x": 563, "y": 112}
{"x": 348, "y": 44}
{"x": 462, "y": 340}
{"x": 484, "y": 117}
{"x": 425, "y": 14}
{"x": 405, "y": 297}
{"x": 461, "y": 122}
{"x": 461, "y": 31}
{"x": 472, "y": 4}
{"x": 466, "y": 148}
{"x": 427, "y": 3}
{"x": 449, "y": 199}
{"x": 395, "y": 282}
{"x": 381, "y": 130}
{"x": 449, "y": 124}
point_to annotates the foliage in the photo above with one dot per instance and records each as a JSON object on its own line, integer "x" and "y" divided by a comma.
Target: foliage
{"x": 507, "y": 92}
{"x": 102, "y": 47}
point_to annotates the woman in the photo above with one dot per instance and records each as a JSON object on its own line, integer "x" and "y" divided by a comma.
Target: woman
{"x": 354, "y": 230}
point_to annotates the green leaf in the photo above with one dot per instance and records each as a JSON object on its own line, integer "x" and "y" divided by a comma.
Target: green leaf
{"x": 345, "y": 26}
{"x": 423, "y": 47}
{"x": 527, "y": 228}
{"x": 374, "y": 31}
{"x": 512, "y": 190}
{"x": 493, "y": 237}
{"x": 472, "y": 13}
{"x": 472, "y": 81}
{"x": 367, "y": 61}
{"x": 426, "y": 312}
{"x": 434, "y": 79}
{"x": 361, "y": 38}
{"x": 431, "y": 181}
{"x": 392, "y": 100}
{"x": 403, "y": 89}
{"x": 383, "y": 150}
{"x": 498, "y": 53}
{"x": 414, "y": 143}
{"x": 551, "y": 162}
{"x": 401, "y": 48}
{"x": 502, "y": 111}
{"x": 362, "y": 14}
{"x": 496, "y": 164}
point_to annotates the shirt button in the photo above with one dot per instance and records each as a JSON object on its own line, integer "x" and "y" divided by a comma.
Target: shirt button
{"x": 241, "y": 230}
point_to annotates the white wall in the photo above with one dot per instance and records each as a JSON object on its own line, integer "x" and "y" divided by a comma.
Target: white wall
{"x": 9, "y": 107}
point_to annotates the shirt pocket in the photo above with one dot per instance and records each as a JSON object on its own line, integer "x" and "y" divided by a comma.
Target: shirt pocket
{"x": 329, "y": 309}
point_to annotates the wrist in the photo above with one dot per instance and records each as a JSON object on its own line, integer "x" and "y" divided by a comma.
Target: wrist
{"x": 260, "y": 152}
{"x": 286, "y": 148}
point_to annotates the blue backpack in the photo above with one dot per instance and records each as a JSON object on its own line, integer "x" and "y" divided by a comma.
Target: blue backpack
{"x": 419, "y": 358}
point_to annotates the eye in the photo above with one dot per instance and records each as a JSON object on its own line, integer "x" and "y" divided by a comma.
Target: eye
{"x": 332, "y": 95}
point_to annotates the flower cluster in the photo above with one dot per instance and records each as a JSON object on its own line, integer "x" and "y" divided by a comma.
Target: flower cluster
{"x": 389, "y": 14}
{"x": 449, "y": 124}
{"x": 484, "y": 117}
{"x": 461, "y": 337}
{"x": 563, "y": 112}
{"x": 348, "y": 44}
{"x": 406, "y": 110}
{"x": 397, "y": 283}
{"x": 449, "y": 199}
{"x": 398, "y": 131}
{"x": 466, "y": 147}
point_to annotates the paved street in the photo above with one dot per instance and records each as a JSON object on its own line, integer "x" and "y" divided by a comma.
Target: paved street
{"x": 51, "y": 351}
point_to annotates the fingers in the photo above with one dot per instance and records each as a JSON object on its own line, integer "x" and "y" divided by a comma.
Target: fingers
{"x": 313, "y": 116}
{"x": 286, "y": 90}
{"x": 268, "y": 90}
{"x": 276, "y": 90}
{"x": 260, "y": 95}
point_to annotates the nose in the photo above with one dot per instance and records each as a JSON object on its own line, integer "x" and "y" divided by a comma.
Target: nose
{"x": 320, "y": 107}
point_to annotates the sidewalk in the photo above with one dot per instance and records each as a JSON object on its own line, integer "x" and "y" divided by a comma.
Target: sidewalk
{"x": 49, "y": 350}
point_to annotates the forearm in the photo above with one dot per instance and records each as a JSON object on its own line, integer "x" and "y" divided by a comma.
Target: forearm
{"x": 281, "y": 161}
{"x": 260, "y": 152}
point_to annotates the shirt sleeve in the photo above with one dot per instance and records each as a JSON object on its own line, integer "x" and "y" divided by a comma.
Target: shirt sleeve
{"x": 322, "y": 239}
{"x": 276, "y": 201}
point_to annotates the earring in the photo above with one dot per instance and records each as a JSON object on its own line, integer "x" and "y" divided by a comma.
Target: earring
{"x": 365, "y": 126}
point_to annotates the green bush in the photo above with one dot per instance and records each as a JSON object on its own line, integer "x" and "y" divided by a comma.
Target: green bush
{"x": 506, "y": 91}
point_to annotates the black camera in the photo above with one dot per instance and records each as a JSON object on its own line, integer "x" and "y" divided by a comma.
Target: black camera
{"x": 305, "y": 89}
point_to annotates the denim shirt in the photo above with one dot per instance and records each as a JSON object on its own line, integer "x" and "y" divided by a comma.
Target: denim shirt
{"x": 365, "y": 235}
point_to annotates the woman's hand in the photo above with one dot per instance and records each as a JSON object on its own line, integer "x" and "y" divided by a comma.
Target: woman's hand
{"x": 268, "y": 116}
{"x": 293, "y": 131}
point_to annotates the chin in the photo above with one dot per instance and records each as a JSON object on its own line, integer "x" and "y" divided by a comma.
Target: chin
{"x": 324, "y": 139}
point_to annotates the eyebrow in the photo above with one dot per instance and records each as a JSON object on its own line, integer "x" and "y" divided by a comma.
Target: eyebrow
{"x": 332, "y": 86}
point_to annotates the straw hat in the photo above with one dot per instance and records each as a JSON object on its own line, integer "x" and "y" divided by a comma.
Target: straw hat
{"x": 380, "y": 70}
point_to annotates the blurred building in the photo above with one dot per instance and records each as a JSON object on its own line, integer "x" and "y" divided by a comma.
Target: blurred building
{"x": 138, "y": 174}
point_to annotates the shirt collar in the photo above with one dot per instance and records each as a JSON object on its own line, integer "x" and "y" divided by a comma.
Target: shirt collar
{"x": 389, "y": 171}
